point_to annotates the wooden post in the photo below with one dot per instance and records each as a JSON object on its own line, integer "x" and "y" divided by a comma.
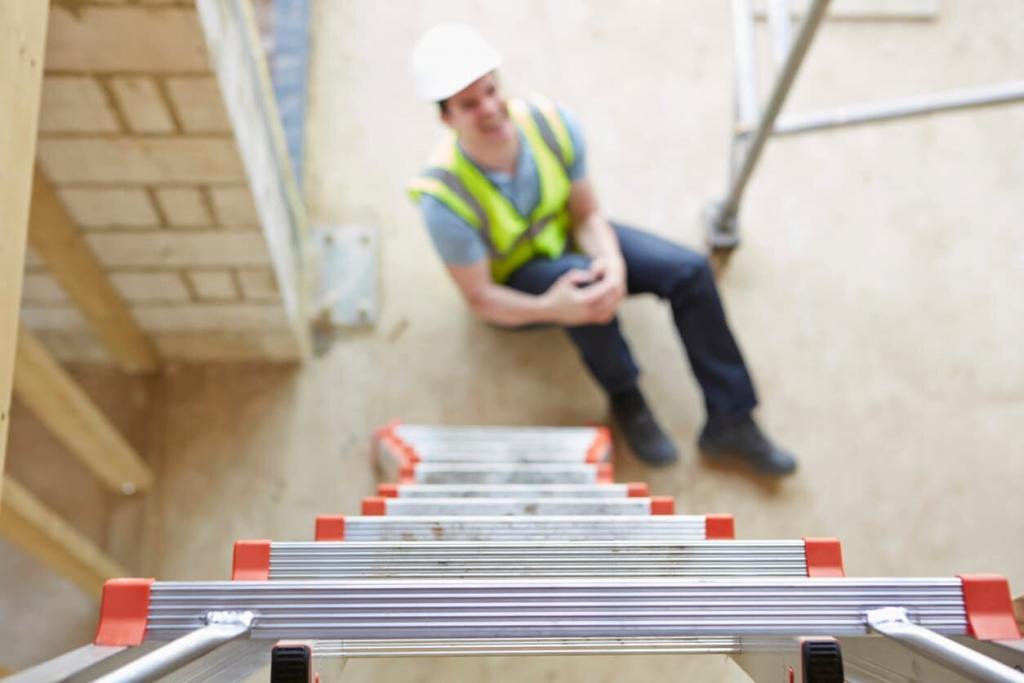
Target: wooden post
{"x": 41, "y": 533}
{"x": 70, "y": 415}
{"x": 22, "y": 43}
{"x": 59, "y": 244}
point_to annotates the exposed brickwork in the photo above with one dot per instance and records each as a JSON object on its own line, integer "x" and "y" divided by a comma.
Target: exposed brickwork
{"x": 142, "y": 105}
{"x": 135, "y": 160}
{"x": 199, "y": 104}
{"x": 151, "y": 287}
{"x": 125, "y": 39}
{"x": 184, "y": 206}
{"x": 234, "y": 206}
{"x": 136, "y": 138}
{"x": 42, "y": 288}
{"x": 101, "y": 208}
{"x": 173, "y": 249}
{"x": 258, "y": 284}
{"x": 198, "y": 317}
{"x": 214, "y": 285}
{"x": 75, "y": 104}
{"x": 54, "y": 318}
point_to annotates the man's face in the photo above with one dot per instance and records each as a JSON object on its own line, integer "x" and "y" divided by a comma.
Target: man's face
{"x": 478, "y": 112}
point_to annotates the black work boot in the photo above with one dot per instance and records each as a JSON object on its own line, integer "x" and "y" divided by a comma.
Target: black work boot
{"x": 641, "y": 430}
{"x": 741, "y": 440}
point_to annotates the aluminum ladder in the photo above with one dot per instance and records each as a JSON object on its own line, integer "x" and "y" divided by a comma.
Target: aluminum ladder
{"x": 515, "y": 541}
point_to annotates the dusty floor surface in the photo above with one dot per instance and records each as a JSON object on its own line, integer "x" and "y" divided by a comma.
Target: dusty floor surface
{"x": 876, "y": 297}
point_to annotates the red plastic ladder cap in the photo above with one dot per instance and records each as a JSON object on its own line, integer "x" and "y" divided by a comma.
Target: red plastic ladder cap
{"x": 330, "y": 528}
{"x": 663, "y": 505}
{"x": 719, "y": 527}
{"x": 637, "y": 489}
{"x": 824, "y": 557}
{"x": 599, "y": 446}
{"x": 989, "y": 607}
{"x": 375, "y": 506}
{"x": 251, "y": 561}
{"x": 124, "y": 611}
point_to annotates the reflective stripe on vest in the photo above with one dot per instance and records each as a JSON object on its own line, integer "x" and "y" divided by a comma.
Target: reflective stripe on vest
{"x": 511, "y": 238}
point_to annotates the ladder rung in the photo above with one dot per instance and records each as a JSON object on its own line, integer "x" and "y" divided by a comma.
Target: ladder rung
{"x": 263, "y": 560}
{"x": 625, "y": 490}
{"x": 533, "y": 473}
{"x": 378, "y": 505}
{"x": 547, "y": 528}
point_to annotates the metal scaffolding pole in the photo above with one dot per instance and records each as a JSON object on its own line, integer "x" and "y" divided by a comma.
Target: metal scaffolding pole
{"x": 720, "y": 217}
{"x": 745, "y": 53}
{"x": 781, "y": 24}
{"x": 967, "y": 98}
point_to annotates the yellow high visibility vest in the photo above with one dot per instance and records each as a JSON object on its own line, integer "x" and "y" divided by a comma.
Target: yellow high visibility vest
{"x": 511, "y": 238}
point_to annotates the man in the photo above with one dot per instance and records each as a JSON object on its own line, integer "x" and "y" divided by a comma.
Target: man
{"x": 514, "y": 217}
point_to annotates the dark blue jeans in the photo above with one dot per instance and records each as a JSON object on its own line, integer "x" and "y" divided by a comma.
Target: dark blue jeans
{"x": 683, "y": 278}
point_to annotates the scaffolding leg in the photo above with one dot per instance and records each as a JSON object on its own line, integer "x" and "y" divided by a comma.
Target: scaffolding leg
{"x": 720, "y": 217}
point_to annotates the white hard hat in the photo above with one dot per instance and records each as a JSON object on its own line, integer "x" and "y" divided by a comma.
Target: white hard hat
{"x": 448, "y": 58}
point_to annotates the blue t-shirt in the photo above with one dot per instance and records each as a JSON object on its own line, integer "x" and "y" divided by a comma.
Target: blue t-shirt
{"x": 459, "y": 243}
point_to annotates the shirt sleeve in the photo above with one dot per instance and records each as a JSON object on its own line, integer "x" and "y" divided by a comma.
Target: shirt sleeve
{"x": 457, "y": 242}
{"x": 578, "y": 167}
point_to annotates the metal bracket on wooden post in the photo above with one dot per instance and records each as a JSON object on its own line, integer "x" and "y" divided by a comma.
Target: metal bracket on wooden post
{"x": 346, "y": 294}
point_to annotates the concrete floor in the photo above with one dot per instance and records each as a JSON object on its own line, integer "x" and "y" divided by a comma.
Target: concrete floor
{"x": 876, "y": 297}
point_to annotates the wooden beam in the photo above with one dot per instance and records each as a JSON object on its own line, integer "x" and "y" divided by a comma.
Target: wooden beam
{"x": 60, "y": 404}
{"x": 60, "y": 245}
{"x": 43, "y": 534}
{"x": 22, "y": 43}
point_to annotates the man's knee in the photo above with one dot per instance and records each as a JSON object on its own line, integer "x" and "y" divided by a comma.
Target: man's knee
{"x": 538, "y": 275}
{"x": 573, "y": 261}
{"x": 692, "y": 271}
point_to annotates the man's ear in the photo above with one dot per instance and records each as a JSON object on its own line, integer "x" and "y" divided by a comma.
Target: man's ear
{"x": 446, "y": 118}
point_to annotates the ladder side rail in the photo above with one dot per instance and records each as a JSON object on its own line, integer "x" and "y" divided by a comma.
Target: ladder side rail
{"x": 893, "y": 622}
{"x": 221, "y": 628}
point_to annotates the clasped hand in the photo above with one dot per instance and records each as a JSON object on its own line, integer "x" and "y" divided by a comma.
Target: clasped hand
{"x": 591, "y": 296}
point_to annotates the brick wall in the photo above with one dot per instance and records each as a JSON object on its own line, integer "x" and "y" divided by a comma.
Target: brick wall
{"x": 136, "y": 138}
